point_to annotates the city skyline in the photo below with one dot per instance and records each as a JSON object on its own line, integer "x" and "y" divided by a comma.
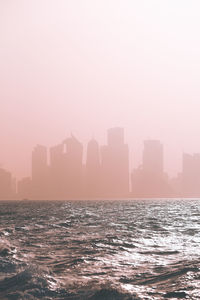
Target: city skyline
{"x": 99, "y": 149}
{"x": 88, "y": 66}
{"x": 136, "y": 153}
{"x": 60, "y": 172}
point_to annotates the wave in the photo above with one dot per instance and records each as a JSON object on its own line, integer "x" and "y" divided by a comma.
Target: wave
{"x": 148, "y": 279}
{"x": 6, "y": 248}
{"x": 112, "y": 294}
{"x": 94, "y": 251}
{"x": 28, "y": 284}
{"x": 159, "y": 252}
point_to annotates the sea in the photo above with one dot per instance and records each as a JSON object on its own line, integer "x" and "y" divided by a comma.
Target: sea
{"x": 100, "y": 250}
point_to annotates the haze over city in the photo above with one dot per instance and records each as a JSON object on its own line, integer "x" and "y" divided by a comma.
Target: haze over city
{"x": 60, "y": 172}
{"x": 83, "y": 67}
{"x": 99, "y": 149}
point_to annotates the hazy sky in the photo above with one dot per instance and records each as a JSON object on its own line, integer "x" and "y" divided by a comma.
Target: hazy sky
{"x": 87, "y": 65}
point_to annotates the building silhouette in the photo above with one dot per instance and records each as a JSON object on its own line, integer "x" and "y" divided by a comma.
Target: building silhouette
{"x": 150, "y": 180}
{"x": 115, "y": 165}
{"x": 39, "y": 172}
{"x": 104, "y": 174}
{"x": 74, "y": 167}
{"x": 6, "y": 187}
{"x": 92, "y": 170}
{"x": 153, "y": 160}
{"x": 66, "y": 169}
{"x": 191, "y": 175}
{"x": 176, "y": 185}
{"x": 57, "y": 185}
{"x": 24, "y": 188}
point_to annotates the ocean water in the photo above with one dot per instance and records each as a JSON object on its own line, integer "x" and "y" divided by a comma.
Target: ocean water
{"x": 109, "y": 250}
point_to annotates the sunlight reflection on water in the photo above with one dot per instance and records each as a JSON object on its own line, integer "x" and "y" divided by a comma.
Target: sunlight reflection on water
{"x": 143, "y": 247}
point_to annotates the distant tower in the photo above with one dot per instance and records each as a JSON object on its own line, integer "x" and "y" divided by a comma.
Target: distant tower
{"x": 153, "y": 157}
{"x": 191, "y": 175}
{"x": 149, "y": 180}
{"x": 92, "y": 184}
{"x": 73, "y": 162}
{"x": 66, "y": 169}
{"x": 57, "y": 173}
{"x": 5, "y": 184}
{"x": 24, "y": 188}
{"x": 115, "y": 165}
{"x": 39, "y": 172}
{"x": 115, "y": 136}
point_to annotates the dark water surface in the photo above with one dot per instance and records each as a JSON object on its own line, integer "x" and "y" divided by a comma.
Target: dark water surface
{"x": 108, "y": 250}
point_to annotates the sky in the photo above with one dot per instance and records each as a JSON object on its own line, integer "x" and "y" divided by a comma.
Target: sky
{"x": 83, "y": 66}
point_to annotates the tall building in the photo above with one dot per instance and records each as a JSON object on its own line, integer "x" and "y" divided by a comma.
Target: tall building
{"x": 92, "y": 170}
{"x": 191, "y": 175}
{"x": 66, "y": 169}
{"x": 5, "y": 185}
{"x": 149, "y": 180}
{"x": 74, "y": 167}
{"x": 24, "y": 188}
{"x": 57, "y": 187}
{"x": 39, "y": 172}
{"x": 115, "y": 136}
{"x": 115, "y": 165}
{"x": 153, "y": 157}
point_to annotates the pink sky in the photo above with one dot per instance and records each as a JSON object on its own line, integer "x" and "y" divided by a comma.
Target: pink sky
{"x": 85, "y": 66}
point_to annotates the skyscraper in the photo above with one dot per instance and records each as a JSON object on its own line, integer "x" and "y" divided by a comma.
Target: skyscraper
{"x": 153, "y": 157}
{"x": 5, "y": 184}
{"x": 149, "y": 180}
{"x": 39, "y": 172}
{"x": 115, "y": 136}
{"x": 66, "y": 169}
{"x": 115, "y": 164}
{"x": 73, "y": 163}
{"x": 24, "y": 188}
{"x": 92, "y": 171}
{"x": 57, "y": 173}
{"x": 191, "y": 175}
